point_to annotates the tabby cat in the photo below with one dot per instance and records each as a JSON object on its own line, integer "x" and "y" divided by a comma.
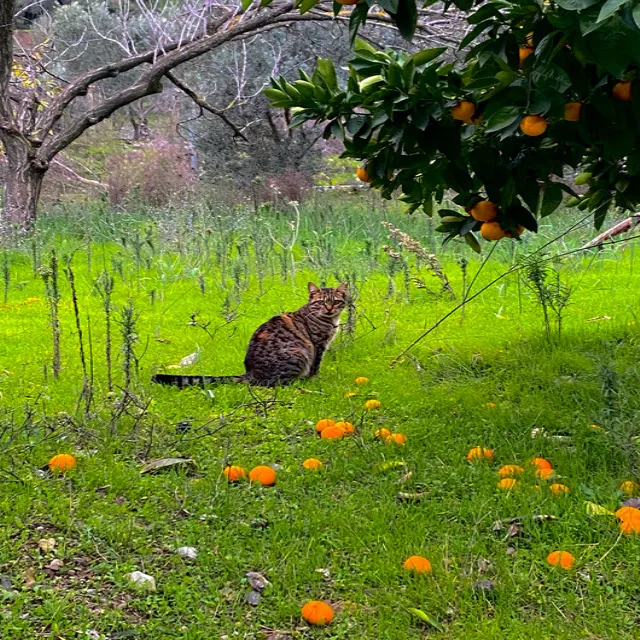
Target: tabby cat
{"x": 285, "y": 348}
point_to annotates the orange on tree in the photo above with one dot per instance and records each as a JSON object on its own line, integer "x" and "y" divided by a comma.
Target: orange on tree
{"x": 622, "y": 91}
{"x": 317, "y": 613}
{"x": 492, "y": 231}
{"x": 523, "y": 54}
{"x": 362, "y": 174}
{"x": 464, "y": 111}
{"x": 533, "y": 125}
{"x": 266, "y": 476}
{"x": 572, "y": 111}
{"x": 484, "y": 211}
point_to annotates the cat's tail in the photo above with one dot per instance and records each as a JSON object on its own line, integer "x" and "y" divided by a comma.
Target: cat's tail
{"x": 177, "y": 380}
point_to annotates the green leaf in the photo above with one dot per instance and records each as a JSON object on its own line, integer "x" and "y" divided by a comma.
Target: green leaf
{"x": 425, "y": 617}
{"x": 360, "y": 45}
{"x": 328, "y": 72}
{"x": 406, "y": 18}
{"x": 357, "y": 19}
{"x": 474, "y": 33}
{"x": 636, "y": 15}
{"x": 551, "y": 199}
{"x": 427, "y": 55}
{"x": 388, "y": 465}
{"x": 594, "y": 509}
{"x": 502, "y": 118}
{"x": 609, "y": 8}
{"x": 370, "y": 81}
{"x": 488, "y": 10}
{"x": 390, "y": 6}
{"x": 575, "y": 5}
{"x": 307, "y": 5}
{"x": 472, "y": 241}
{"x": 246, "y": 4}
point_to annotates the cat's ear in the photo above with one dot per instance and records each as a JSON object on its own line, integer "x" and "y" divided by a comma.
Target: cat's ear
{"x": 313, "y": 290}
{"x": 343, "y": 288}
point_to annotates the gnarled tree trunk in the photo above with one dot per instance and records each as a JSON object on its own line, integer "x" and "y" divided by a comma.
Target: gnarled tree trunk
{"x": 22, "y": 186}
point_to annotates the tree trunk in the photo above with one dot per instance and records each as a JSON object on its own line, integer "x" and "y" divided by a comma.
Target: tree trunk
{"x": 22, "y": 187}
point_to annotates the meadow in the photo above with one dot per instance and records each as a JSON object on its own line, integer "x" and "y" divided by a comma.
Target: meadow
{"x": 182, "y": 289}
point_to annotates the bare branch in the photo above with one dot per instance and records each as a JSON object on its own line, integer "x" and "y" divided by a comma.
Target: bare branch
{"x": 6, "y": 58}
{"x": 204, "y": 105}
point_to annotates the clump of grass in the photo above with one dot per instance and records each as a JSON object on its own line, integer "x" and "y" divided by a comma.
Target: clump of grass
{"x": 49, "y": 275}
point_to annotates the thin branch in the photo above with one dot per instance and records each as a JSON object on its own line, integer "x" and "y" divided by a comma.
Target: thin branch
{"x": 6, "y": 58}
{"x": 202, "y": 103}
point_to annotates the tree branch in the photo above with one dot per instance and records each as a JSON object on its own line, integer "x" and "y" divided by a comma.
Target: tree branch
{"x": 204, "y": 105}
{"x": 150, "y": 81}
{"x": 6, "y": 59}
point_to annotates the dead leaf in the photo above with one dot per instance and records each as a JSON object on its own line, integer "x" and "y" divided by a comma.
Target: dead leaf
{"x": 410, "y": 497}
{"x": 632, "y": 502}
{"x": 187, "y": 361}
{"x": 47, "y": 544}
{"x": 598, "y": 318}
{"x": 253, "y": 598}
{"x": 257, "y": 581}
{"x": 164, "y": 463}
{"x": 484, "y": 586}
{"x": 54, "y": 565}
{"x": 594, "y": 509}
{"x": 485, "y": 565}
{"x": 405, "y": 478}
{"x": 6, "y": 584}
{"x": 30, "y": 578}
{"x": 326, "y": 574}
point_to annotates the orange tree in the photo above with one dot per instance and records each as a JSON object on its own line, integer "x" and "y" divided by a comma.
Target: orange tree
{"x": 544, "y": 85}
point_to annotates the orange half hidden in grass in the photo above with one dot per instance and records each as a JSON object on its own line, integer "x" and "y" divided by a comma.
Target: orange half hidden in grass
{"x": 382, "y": 434}
{"x": 347, "y": 427}
{"x": 323, "y": 424}
{"x": 562, "y": 559}
{"x": 317, "y": 613}
{"x": 541, "y": 463}
{"x": 396, "y": 438}
{"x": 479, "y": 453}
{"x": 558, "y": 489}
{"x": 630, "y": 487}
{"x": 62, "y": 462}
{"x": 417, "y": 564}
{"x": 362, "y": 380}
{"x": 506, "y": 484}
{"x": 333, "y": 433}
{"x": 510, "y": 470}
{"x": 313, "y": 464}
{"x": 544, "y": 473}
{"x": 350, "y": 394}
{"x": 263, "y": 475}
{"x": 372, "y": 404}
{"x": 233, "y": 473}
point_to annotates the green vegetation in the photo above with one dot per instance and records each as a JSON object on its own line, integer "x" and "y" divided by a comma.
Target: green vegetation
{"x": 199, "y": 282}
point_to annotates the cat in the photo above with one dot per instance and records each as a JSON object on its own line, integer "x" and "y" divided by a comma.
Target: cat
{"x": 286, "y": 348}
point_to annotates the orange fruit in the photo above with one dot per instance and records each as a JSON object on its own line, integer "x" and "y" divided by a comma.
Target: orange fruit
{"x": 562, "y": 559}
{"x": 523, "y": 54}
{"x": 323, "y": 424}
{"x": 233, "y": 473}
{"x": 263, "y": 475}
{"x": 396, "y": 438}
{"x": 558, "y": 489}
{"x": 492, "y": 231}
{"x": 317, "y": 613}
{"x": 62, "y": 462}
{"x": 361, "y": 380}
{"x": 312, "y": 463}
{"x": 347, "y": 427}
{"x": 632, "y": 525}
{"x": 479, "y": 453}
{"x": 464, "y": 111}
{"x": 372, "y": 404}
{"x": 529, "y": 41}
{"x": 630, "y": 487}
{"x": 510, "y": 470}
{"x": 484, "y": 211}
{"x": 382, "y": 434}
{"x": 362, "y": 174}
{"x": 333, "y": 433}
{"x": 533, "y": 125}
{"x": 544, "y": 473}
{"x": 572, "y": 111}
{"x": 507, "y": 484}
{"x": 418, "y": 564}
{"x": 541, "y": 463}
{"x": 626, "y": 513}
{"x": 519, "y": 230}
{"x": 622, "y": 91}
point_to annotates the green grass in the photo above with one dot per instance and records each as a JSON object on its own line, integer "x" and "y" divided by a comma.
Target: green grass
{"x": 109, "y": 520}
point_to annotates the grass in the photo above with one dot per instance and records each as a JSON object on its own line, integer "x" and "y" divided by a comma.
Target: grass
{"x": 487, "y": 378}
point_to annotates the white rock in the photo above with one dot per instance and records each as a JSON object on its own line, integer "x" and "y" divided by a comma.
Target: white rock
{"x": 143, "y": 580}
{"x": 190, "y": 553}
